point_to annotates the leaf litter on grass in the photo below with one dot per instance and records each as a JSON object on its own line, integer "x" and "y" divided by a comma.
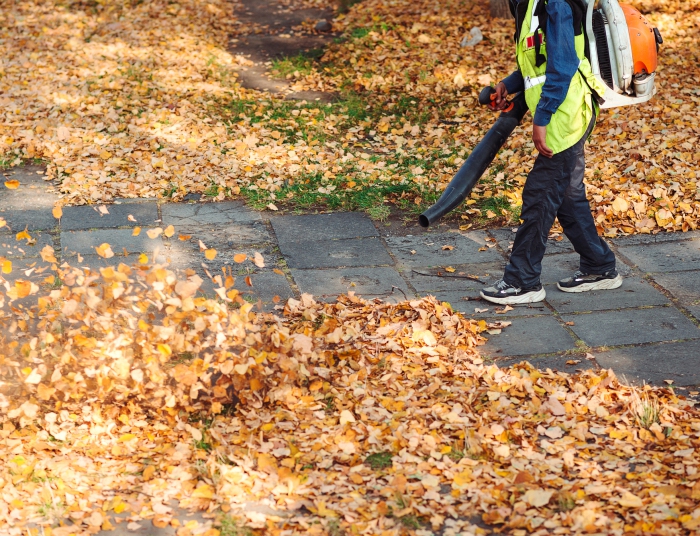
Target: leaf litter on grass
{"x": 141, "y": 99}
{"x": 124, "y": 391}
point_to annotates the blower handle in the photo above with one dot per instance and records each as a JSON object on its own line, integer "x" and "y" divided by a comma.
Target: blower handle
{"x": 487, "y": 98}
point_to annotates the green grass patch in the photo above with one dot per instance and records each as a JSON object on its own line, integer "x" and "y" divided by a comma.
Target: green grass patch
{"x": 379, "y": 460}
{"x": 232, "y": 527}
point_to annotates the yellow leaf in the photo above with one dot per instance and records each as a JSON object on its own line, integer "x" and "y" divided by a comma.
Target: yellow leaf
{"x": 136, "y": 231}
{"x": 57, "y": 212}
{"x": 203, "y": 491}
{"x": 154, "y": 233}
{"x": 12, "y": 185}
{"x": 164, "y": 349}
{"x": 210, "y": 254}
{"x": 6, "y": 267}
{"x": 449, "y": 269}
{"x": 148, "y": 472}
{"x": 105, "y": 251}
{"x": 240, "y": 257}
{"x": 126, "y": 437}
{"x": 169, "y": 231}
{"x": 620, "y": 205}
{"x": 2, "y": 222}
{"x": 105, "y": 155}
{"x": 537, "y": 497}
{"x": 629, "y": 500}
{"x": 143, "y": 258}
{"x": 48, "y": 254}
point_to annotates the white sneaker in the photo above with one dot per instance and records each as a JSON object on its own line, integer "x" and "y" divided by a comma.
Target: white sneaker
{"x": 505, "y": 294}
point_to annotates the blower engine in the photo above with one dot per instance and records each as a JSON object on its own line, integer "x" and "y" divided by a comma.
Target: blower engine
{"x": 623, "y": 47}
{"x": 622, "y": 50}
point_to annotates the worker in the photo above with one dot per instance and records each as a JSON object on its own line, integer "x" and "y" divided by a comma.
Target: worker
{"x": 561, "y": 92}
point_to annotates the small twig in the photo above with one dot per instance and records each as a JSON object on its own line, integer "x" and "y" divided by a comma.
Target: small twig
{"x": 440, "y": 274}
{"x": 393, "y": 288}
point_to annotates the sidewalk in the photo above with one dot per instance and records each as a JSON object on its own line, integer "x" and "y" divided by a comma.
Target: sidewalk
{"x": 647, "y": 331}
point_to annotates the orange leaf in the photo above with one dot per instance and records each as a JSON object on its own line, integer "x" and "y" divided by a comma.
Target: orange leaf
{"x": 184, "y": 237}
{"x": 57, "y": 212}
{"x": 23, "y": 235}
{"x": 136, "y": 231}
{"x": 6, "y": 267}
{"x": 240, "y": 257}
{"x": 210, "y": 254}
{"x": 275, "y": 299}
{"x": 169, "y": 231}
{"x": 105, "y": 251}
{"x": 248, "y": 281}
{"x": 12, "y": 185}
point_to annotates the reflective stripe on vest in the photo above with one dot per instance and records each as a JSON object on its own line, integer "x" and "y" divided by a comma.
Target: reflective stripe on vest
{"x": 536, "y": 81}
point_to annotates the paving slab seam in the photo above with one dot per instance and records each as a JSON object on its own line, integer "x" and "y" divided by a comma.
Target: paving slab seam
{"x": 409, "y": 286}
{"x": 674, "y": 301}
{"x": 285, "y": 268}
{"x": 648, "y": 277}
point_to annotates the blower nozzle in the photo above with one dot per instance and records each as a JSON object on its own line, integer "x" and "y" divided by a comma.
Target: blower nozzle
{"x": 480, "y": 158}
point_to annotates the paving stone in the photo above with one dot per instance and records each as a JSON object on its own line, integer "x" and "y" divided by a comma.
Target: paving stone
{"x": 487, "y": 310}
{"x": 224, "y": 237}
{"x": 30, "y": 218}
{"x": 557, "y": 267}
{"x": 632, "y": 326}
{"x": 95, "y": 262}
{"x": 90, "y": 217}
{"x": 266, "y": 285}
{"x": 315, "y": 227}
{"x": 28, "y": 206}
{"x": 198, "y": 214}
{"x": 85, "y": 242}
{"x": 368, "y": 282}
{"x": 336, "y": 253}
{"x": 488, "y": 273}
{"x": 659, "y": 238}
{"x": 429, "y": 252}
{"x": 32, "y": 269}
{"x": 685, "y": 286}
{"x": 634, "y": 292}
{"x": 505, "y": 238}
{"x": 665, "y": 257}
{"x": 654, "y": 364}
{"x": 529, "y": 336}
{"x": 12, "y": 248}
{"x": 557, "y": 362}
{"x": 183, "y": 255}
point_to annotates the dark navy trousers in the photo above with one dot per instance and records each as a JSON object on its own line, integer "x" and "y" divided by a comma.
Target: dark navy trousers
{"x": 554, "y": 188}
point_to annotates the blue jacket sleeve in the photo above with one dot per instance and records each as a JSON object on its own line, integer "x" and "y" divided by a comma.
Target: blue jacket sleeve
{"x": 562, "y": 60}
{"x": 514, "y": 82}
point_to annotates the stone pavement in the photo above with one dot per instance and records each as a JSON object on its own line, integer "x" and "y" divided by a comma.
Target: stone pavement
{"x": 647, "y": 330}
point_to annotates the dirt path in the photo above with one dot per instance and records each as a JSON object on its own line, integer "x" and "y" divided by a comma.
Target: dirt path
{"x": 275, "y": 31}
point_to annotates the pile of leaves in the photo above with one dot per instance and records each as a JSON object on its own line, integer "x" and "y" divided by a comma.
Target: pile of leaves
{"x": 125, "y": 394}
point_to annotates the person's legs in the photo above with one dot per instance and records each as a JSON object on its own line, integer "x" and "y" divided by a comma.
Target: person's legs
{"x": 542, "y": 196}
{"x": 579, "y": 227}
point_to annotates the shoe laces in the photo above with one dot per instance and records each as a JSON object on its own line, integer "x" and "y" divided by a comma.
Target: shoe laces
{"x": 501, "y": 285}
{"x": 579, "y": 274}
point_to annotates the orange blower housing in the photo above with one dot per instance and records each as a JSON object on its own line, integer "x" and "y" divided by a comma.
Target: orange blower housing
{"x": 643, "y": 40}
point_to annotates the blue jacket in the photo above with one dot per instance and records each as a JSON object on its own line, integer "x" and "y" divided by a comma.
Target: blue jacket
{"x": 562, "y": 62}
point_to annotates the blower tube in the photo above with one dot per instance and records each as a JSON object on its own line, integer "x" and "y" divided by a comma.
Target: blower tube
{"x": 479, "y": 160}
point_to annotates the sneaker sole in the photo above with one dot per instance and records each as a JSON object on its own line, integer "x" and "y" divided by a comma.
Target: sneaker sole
{"x": 529, "y": 297}
{"x": 603, "y": 284}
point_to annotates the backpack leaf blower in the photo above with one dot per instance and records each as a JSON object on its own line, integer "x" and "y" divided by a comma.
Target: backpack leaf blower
{"x": 622, "y": 48}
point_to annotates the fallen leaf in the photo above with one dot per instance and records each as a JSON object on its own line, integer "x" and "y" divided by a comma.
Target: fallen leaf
{"x": 210, "y": 254}
{"x": 12, "y": 185}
